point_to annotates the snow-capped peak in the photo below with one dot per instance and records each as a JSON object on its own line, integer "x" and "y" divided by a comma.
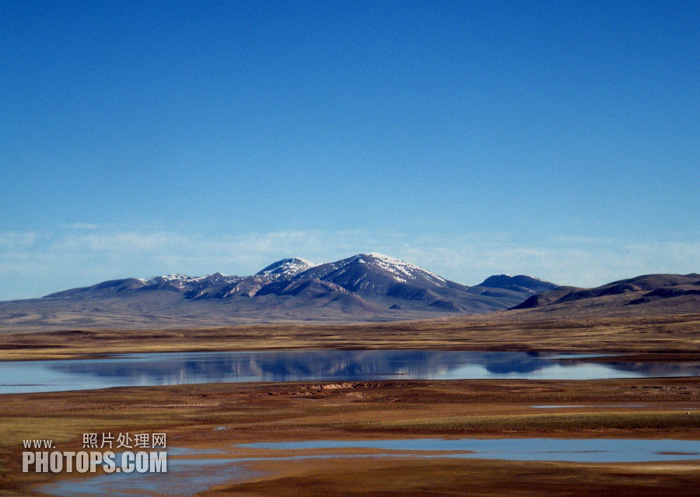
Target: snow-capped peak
{"x": 181, "y": 279}
{"x": 400, "y": 270}
{"x": 165, "y": 278}
{"x": 377, "y": 255}
{"x": 287, "y": 267}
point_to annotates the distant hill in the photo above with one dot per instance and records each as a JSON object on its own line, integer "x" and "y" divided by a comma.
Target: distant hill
{"x": 505, "y": 286}
{"x": 646, "y": 294}
{"x": 359, "y": 288}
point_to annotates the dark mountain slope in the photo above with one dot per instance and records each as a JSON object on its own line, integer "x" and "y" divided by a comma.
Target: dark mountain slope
{"x": 646, "y": 294}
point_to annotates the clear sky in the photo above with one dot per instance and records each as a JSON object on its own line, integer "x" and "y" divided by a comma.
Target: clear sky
{"x": 554, "y": 138}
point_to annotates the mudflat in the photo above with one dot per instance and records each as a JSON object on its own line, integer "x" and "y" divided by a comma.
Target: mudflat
{"x": 221, "y": 415}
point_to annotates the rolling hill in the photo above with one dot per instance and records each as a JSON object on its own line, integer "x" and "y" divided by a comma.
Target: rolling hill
{"x": 642, "y": 295}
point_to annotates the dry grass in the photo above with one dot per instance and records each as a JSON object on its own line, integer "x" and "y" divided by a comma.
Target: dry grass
{"x": 433, "y": 478}
{"x": 190, "y": 414}
{"x": 545, "y": 423}
{"x": 661, "y": 334}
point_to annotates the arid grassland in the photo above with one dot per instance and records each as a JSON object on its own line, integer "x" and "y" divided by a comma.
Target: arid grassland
{"x": 221, "y": 415}
{"x": 191, "y": 414}
{"x": 675, "y": 334}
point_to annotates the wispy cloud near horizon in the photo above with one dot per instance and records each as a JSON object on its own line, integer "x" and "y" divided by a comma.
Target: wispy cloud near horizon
{"x": 33, "y": 264}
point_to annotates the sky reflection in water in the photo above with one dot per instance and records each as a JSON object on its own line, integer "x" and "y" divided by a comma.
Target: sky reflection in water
{"x": 313, "y": 365}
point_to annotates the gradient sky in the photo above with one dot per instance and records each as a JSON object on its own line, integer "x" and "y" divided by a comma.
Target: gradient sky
{"x": 554, "y": 138}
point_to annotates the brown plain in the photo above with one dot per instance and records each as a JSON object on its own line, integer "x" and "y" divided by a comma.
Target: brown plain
{"x": 191, "y": 414}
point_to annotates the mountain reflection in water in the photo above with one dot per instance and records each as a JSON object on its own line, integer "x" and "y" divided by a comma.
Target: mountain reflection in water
{"x": 314, "y": 365}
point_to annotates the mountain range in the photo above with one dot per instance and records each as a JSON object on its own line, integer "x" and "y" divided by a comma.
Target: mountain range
{"x": 372, "y": 282}
{"x": 364, "y": 287}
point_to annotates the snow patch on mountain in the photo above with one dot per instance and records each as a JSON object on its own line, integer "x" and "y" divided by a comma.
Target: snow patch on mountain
{"x": 401, "y": 270}
{"x": 181, "y": 279}
{"x": 286, "y": 267}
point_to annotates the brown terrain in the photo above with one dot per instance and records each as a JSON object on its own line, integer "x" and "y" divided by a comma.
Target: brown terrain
{"x": 220, "y": 415}
{"x": 674, "y": 333}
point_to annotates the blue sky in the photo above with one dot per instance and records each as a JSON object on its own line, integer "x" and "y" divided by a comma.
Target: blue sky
{"x": 553, "y": 138}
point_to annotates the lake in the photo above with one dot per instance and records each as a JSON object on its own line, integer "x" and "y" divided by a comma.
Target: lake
{"x": 150, "y": 369}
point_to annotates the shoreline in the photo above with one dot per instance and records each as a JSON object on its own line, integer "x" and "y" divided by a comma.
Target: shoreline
{"x": 222, "y": 415}
{"x": 212, "y": 415}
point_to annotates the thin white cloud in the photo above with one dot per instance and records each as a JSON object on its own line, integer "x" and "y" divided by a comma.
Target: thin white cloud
{"x": 82, "y": 226}
{"x": 17, "y": 240}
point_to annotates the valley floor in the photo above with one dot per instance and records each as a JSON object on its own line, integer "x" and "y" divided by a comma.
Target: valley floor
{"x": 220, "y": 415}
{"x": 677, "y": 334}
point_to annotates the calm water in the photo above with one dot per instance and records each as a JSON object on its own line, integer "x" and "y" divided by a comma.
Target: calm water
{"x": 189, "y": 476}
{"x": 600, "y": 450}
{"x": 313, "y": 365}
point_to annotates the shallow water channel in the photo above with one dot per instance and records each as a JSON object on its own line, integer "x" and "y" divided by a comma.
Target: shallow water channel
{"x": 189, "y": 476}
{"x": 150, "y": 369}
